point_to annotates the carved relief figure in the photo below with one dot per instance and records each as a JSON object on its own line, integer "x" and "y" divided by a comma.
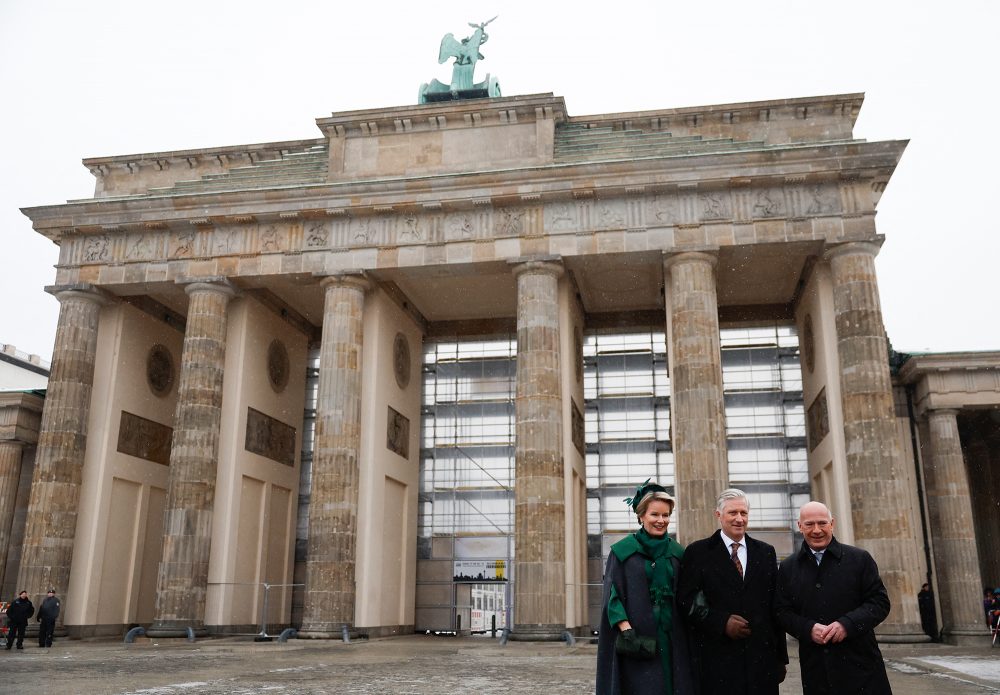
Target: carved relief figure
{"x": 138, "y": 248}
{"x": 610, "y": 215}
{"x": 227, "y": 240}
{"x": 560, "y": 216}
{"x": 511, "y": 222}
{"x": 820, "y": 202}
{"x": 96, "y": 249}
{"x": 185, "y": 240}
{"x": 766, "y": 206}
{"x": 411, "y": 229}
{"x": 269, "y": 238}
{"x": 459, "y": 227}
{"x": 365, "y": 232}
{"x": 316, "y": 235}
{"x": 664, "y": 209}
{"x": 713, "y": 206}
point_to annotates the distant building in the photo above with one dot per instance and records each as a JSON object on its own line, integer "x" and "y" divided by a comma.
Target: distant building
{"x": 457, "y": 335}
{"x": 23, "y": 379}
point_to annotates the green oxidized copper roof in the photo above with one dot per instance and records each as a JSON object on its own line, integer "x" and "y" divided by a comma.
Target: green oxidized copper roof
{"x": 578, "y": 143}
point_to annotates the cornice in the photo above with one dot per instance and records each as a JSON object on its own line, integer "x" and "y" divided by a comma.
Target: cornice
{"x": 238, "y": 155}
{"x": 918, "y": 366}
{"x": 869, "y": 163}
{"x": 841, "y": 105}
{"x": 444, "y": 116}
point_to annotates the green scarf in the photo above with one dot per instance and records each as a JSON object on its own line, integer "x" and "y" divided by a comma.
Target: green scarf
{"x": 659, "y": 569}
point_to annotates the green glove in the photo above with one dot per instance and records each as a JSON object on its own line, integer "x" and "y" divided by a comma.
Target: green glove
{"x": 632, "y": 644}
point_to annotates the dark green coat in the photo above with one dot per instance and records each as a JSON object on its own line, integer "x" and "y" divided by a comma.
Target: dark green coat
{"x": 618, "y": 675}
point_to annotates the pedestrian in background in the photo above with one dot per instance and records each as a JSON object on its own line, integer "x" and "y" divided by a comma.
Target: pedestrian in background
{"x": 17, "y": 619}
{"x": 47, "y": 614}
{"x": 928, "y": 614}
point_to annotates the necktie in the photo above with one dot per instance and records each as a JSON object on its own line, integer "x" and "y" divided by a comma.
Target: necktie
{"x": 819, "y": 556}
{"x": 736, "y": 558}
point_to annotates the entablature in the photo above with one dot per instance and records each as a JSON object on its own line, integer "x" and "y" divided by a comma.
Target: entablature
{"x": 954, "y": 380}
{"x": 859, "y": 168}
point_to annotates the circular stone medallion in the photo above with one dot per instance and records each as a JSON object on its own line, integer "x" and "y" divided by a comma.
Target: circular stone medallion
{"x": 277, "y": 365}
{"x": 401, "y": 360}
{"x": 159, "y": 370}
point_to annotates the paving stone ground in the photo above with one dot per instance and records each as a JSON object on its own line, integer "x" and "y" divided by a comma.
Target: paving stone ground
{"x": 412, "y": 664}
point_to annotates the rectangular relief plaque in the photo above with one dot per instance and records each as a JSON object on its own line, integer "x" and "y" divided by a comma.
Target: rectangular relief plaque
{"x": 270, "y": 438}
{"x": 397, "y": 435}
{"x": 578, "y": 428}
{"x": 144, "y": 438}
{"x": 818, "y": 420}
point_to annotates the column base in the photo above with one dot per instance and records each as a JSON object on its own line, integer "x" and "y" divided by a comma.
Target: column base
{"x": 915, "y": 637}
{"x": 966, "y": 636}
{"x": 537, "y": 633}
{"x": 176, "y": 628}
{"x": 328, "y": 631}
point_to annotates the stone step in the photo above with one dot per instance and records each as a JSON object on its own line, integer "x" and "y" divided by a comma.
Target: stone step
{"x": 645, "y": 141}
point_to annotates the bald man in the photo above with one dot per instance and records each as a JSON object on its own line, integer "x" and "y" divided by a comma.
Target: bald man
{"x": 830, "y": 598}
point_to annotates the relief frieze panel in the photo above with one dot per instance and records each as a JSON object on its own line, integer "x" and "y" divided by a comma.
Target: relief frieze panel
{"x": 768, "y": 203}
{"x": 316, "y": 234}
{"x": 342, "y": 229}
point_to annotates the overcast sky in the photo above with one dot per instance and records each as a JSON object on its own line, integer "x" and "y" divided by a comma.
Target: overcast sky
{"x": 87, "y": 78}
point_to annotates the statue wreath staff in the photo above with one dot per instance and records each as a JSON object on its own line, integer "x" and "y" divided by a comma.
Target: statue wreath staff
{"x": 466, "y": 54}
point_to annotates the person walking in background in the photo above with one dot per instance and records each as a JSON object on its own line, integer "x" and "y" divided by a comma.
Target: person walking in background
{"x": 726, "y": 594}
{"x": 831, "y": 598}
{"x": 641, "y": 648}
{"x": 928, "y": 614}
{"x": 17, "y": 619}
{"x": 47, "y": 614}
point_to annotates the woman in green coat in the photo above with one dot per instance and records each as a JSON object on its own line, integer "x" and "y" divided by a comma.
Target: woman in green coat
{"x": 642, "y": 647}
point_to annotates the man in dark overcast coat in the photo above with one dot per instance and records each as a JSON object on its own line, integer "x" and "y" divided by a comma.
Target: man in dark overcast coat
{"x": 831, "y": 598}
{"x": 737, "y": 646}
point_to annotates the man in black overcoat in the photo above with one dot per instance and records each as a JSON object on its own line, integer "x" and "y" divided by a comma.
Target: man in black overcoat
{"x": 737, "y": 645}
{"x": 831, "y": 598}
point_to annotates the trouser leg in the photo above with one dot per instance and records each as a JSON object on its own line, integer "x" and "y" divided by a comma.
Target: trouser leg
{"x": 48, "y": 628}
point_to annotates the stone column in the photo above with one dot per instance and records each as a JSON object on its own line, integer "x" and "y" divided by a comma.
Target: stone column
{"x": 697, "y": 405}
{"x": 955, "y": 555}
{"x": 539, "y": 497}
{"x": 182, "y": 582}
{"x": 331, "y": 555}
{"x": 875, "y": 462}
{"x": 10, "y": 474}
{"x": 50, "y": 527}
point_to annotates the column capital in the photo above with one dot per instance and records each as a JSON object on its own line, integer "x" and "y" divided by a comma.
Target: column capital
{"x": 671, "y": 259}
{"x": 80, "y": 290}
{"x": 214, "y": 283}
{"x": 547, "y": 265}
{"x": 931, "y": 411}
{"x": 870, "y": 248}
{"x": 356, "y": 279}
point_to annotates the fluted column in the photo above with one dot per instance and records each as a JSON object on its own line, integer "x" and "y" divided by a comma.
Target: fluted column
{"x": 539, "y": 498}
{"x": 955, "y": 554}
{"x": 330, "y": 591}
{"x": 875, "y": 462}
{"x": 697, "y": 406}
{"x": 10, "y": 474}
{"x": 182, "y": 582}
{"x": 50, "y": 527}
